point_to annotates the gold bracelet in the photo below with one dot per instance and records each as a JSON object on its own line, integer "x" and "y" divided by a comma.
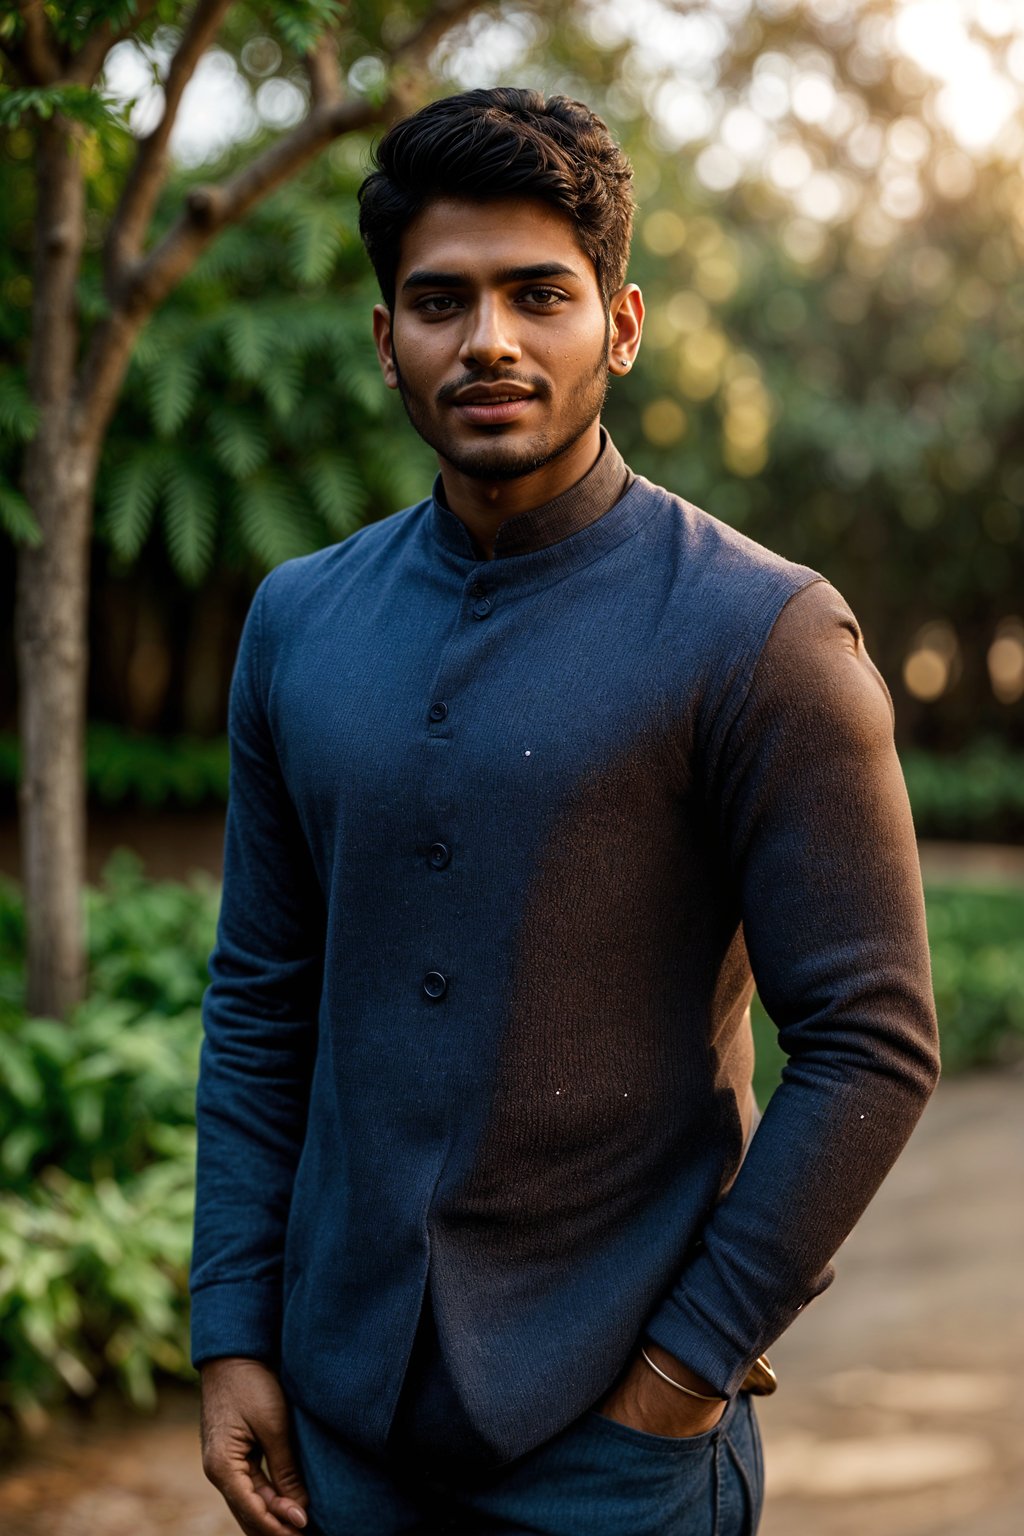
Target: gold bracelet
{"x": 678, "y": 1384}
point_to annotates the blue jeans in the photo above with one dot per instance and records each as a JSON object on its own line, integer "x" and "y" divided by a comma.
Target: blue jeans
{"x": 595, "y": 1478}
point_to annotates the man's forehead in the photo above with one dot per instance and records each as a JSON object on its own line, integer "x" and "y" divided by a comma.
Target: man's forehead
{"x": 485, "y": 239}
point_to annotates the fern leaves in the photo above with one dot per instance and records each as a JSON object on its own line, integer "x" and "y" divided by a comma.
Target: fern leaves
{"x": 16, "y": 517}
{"x": 18, "y": 416}
{"x": 132, "y": 497}
{"x": 250, "y": 333}
{"x": 337, "y": 490}
{"x": 272, "y": 517}
{"x": 239, "y": 439}
{"x": 190, "y": 519}
{"x": 186, "y": 493}
{"x": 172, "y": 386}
{"x": 316, "y": 239}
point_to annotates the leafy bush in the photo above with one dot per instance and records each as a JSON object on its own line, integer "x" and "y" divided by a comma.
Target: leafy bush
{"x": 974, "y": 794}
{"x": 97, "y": 1150}
{"x": 123, "y": 768}
{"x": 977, "y": 940}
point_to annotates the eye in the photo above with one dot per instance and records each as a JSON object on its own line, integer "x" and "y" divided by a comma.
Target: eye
{"x": 437, "y": 304}
{"x": 544, "y": 298}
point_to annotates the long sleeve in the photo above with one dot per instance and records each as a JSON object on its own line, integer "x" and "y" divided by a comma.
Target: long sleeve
{"x": 819, "y": 849}
{"x": 260, "y": 1019}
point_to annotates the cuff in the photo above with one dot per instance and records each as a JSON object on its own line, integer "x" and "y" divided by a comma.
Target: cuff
{"x": 690, "y": 1339}
{"x": 237, "y": 1317}
{"x": 699, "y": 1335}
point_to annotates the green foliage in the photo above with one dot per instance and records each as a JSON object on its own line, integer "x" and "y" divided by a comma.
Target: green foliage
{"x": 18, "y": 417}
{"x": 126, "y": 769}
{"x": 16, "y": 517}
{"x": 77, "y": 102}
{"x": 133, "y": 492}
{"x": 978, "y": 971}
{"x": 301, "y": 22}
{"x": 978, "y": 793}
{"x": 98, "y": 1150}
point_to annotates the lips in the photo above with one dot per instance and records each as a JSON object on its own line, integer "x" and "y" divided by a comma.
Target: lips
{"x": 492, "y": 405}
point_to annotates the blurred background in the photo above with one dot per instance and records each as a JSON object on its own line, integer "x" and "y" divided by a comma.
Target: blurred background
{"x": 830, "y": 244}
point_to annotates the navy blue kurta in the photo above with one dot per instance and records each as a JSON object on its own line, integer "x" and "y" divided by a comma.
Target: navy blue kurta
{"x": 507, "y": 842}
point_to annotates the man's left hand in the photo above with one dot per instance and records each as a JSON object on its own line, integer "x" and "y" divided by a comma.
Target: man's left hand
{"x": 643, "y": 1401}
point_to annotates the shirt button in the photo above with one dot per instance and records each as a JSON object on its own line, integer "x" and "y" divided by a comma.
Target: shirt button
{"x": 481, "y": 608}
{"x": 438, "y": 711}
{"x": 477, "y": 589}
{"x": 439, "y": 855}
{"x": 434, "y": 984}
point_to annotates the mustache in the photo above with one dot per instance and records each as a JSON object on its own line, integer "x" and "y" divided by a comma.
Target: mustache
{"x": 447, "y": 392}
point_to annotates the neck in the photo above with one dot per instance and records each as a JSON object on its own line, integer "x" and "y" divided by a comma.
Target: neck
{"x": 483, "y": 505}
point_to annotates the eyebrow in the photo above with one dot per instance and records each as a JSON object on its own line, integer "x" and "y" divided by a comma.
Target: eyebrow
{"x": 424, "y": 278}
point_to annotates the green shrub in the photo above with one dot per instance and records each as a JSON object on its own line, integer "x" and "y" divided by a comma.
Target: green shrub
{"x": 124, "y": 768}
{"x": 976, "y": 794}
{"x": 98, "y": 1152}
{"x": 977, "y": 941}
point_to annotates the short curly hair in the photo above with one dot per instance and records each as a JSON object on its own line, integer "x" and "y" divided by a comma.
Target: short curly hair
{"x": 501, "y": 143}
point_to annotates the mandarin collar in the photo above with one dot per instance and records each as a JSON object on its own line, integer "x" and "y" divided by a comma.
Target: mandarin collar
{"x": 594, "y": 494}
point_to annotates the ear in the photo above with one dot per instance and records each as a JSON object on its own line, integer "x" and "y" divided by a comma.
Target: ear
{"x": 626, "y": 310}
{"x": 385, "y": 347}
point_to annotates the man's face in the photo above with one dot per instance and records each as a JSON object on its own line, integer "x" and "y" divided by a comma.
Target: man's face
{"x": 499, "y": 340}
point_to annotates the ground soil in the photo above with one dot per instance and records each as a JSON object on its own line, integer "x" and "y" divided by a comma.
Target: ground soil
{"x": 899, "y": 1411}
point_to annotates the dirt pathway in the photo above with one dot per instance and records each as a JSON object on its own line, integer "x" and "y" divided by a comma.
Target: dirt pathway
{"x": 899, "y": 1412}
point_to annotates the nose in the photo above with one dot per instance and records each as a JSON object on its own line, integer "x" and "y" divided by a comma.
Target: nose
{"x": 489, "y": 336}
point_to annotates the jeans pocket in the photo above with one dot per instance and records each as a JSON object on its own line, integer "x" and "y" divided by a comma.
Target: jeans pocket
{"x": 741, "y": 1475}
{"x": 678, "y": 1445}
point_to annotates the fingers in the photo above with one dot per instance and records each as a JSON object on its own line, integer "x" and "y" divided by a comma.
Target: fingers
{"x": 283, "y": 1505}
{"x": 282, "y": 1469}
{"x": 253, "y": 1500}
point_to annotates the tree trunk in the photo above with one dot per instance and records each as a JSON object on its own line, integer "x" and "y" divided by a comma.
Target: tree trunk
{"x": 50, "y": 625}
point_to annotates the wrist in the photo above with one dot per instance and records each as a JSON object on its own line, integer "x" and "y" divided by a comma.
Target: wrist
{"x": 679, "y": 1372}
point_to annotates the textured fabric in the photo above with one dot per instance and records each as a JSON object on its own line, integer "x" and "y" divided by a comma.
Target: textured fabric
{"x": 596, "y": 1476}
{"x": 506, "y": 840}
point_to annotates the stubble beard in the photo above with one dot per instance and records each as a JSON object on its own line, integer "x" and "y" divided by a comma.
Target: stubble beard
{"x": 494, "y": 458}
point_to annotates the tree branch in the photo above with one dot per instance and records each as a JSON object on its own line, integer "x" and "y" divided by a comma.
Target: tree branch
{"x": 323, "y": 71}
{"x": 138, "y": 287}
{"x": 414, "y": 50}
{"x": 36, "y": 56}
{"x": 85, "y": 65}
{"x": 135, "y": 209}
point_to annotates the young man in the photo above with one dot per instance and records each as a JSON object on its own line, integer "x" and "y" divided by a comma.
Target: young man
{"x": 529, "y": 783}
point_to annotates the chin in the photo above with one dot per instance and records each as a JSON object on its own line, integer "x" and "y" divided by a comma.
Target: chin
{"x": 490, "y": 462}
